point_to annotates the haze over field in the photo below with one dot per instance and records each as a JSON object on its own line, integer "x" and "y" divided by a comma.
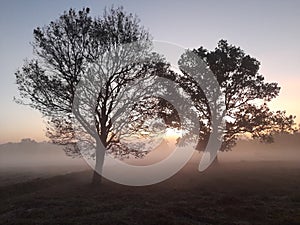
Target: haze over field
{"x": 29, "y": 160}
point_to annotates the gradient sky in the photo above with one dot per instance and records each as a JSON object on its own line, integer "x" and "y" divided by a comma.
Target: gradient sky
{"x": 267, "y": 30}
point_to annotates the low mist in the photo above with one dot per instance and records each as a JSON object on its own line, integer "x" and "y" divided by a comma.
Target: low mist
{"x": 30, "y": 160}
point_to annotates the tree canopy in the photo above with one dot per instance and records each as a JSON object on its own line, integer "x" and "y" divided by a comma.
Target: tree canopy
{"x": 87, "y": 65}
{"x": 246, "y": 95}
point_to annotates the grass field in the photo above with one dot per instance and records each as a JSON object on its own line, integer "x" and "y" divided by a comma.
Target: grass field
{"x": 239, "y": 193}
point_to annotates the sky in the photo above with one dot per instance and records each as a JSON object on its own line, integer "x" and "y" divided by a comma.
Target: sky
{"x": 267, "y": 30}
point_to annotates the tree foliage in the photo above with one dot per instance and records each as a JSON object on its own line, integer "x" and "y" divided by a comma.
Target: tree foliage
{"x": 246, "y": 95}
{"x": 107, "y": 53}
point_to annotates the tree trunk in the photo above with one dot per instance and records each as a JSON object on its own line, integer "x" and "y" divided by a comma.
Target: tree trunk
{"x": 214, "y": 164}
{"x": 97, "y": 179}
{"x": 97, "y": 176}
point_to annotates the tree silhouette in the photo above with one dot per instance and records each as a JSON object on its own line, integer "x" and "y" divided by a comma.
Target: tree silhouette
{"x": 84, "y": 81}
{"x": 246, "y": 95}
{"x": 103, "y": 90}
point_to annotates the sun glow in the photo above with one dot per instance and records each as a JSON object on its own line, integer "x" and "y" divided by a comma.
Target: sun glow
{"x": 173, "y": 133}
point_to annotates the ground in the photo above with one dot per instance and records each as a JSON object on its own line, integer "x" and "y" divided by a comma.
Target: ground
{"x": 237, "y": 193}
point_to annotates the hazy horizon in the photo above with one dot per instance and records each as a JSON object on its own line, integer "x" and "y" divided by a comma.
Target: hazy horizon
{"x": 284, "y": 147}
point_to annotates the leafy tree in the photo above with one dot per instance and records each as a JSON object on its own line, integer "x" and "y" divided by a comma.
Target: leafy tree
{"x": 83, "y": 69}
{"x": 246, "y": 95}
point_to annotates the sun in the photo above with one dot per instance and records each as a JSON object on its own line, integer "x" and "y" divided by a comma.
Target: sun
{"x": 173, "y": 133}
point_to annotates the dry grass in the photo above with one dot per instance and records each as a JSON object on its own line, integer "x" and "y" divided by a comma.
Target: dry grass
{"x": 233, "y": 194}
